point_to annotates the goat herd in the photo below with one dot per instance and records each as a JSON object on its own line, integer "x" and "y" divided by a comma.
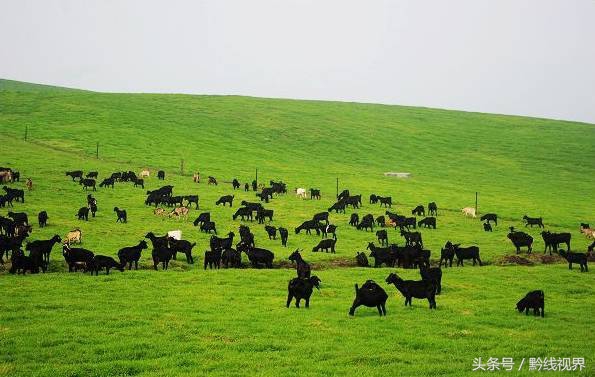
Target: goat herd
{"x": 15, "y": 229}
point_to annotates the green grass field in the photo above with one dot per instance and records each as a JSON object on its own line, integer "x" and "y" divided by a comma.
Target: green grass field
{"x": 187, "y": 321}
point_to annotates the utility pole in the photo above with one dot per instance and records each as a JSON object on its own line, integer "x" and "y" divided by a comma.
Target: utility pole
{"x": 256, "y": 177}
{"x": 26, "y": 132}
{"x": 476, "y": 193}
{"x": 182, "y": 167}
{"x": 97, "y": 151}
{"x": 337, "y": 187}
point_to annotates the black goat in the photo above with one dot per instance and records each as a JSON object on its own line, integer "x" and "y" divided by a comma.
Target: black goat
{"x": 19, "y": 218}
{"x": 427, "y": 222}
{"x": 325, "y": 230}
{"x": 244, "y": 213}
{"x": 373, "y": 198}
{"x": 100, "y": 262}
{"x": 579, "y": 258}
{"x": 257, "y": 256}
{"x": 14, "y": 194}
{"x": 382, "y": 255}
{"x": 433, "y": 275}
{"x": 552, "y": 240}
{"x": 139, "y": 182}
{"x": 271, "y": 231}
{"x": 447, "y": 254}
{"x": 107, "y": 182}
{"x": 533, "y": 300}
{"x": 212, "y": 259}
{"x": 191, "y": 199}
{"x": 235, "y": 183}
{"x": 83, "y": 214}
{"x": 419, "y": 211}
{"x": 367, "y": 222}
{"x": 314, "y": 193}
{"x": 92, "y": 174}
{"x": 487, "y": 227}
{"x": 411, "y": 288}
{"x": 42, "y": 219}
{"x": 490, "y": 217}
{"x": 161, "y": 175}
{"x": 86, "y": 183}
{"x": 370, "y": 295}
{"x": 337, "y": 207}
{"x": 302, "y": 267}
{"x": 301, "y": 288}
{"x": 354, "y": 219}
{"x": 217, "y": 243}
{"x": 308, "y": 226}
{"x": 121, "y": 214}
{"x": 520, "y": 239}
{"x": 263, "y": 213}
{"x": 361, "y": 259}
{"x": 432, "y": 209}
{"x": 381, "y": 221}
{"x": 22, "y": 263}
{"x": 386, "y": 201}
{"x": 326, "y": 245}
{"x": 322, "y": 216}
{"x": 533, "y": 221}
{"x": 231, "y": 258}
{"x": 208, "y": 226}
{"x": 284, "y": 234}
{"x": 77, "y": 257}
{"x": 75, "y": 174}
{"x": 162, "y": 254}
{"x": 412, "y": 238}
{"x": 182, "y": 246}
{"x": 41, "y": 249}
{"x": 225, "y": 199}
{"x": 382, "y": 236}
{"x": 462, "y": 253}
{"x": 203, "y": 217}
{"x": 129, "y": 255}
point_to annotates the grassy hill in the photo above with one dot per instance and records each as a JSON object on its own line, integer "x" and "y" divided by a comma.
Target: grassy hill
{"x": 187, "y": 320}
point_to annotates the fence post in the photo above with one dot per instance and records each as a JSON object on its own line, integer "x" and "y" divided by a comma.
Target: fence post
{"x": 256, "y": 177}
{"x": 182, "y": 167}
{"x": 476, "y": 193}
{"x": 337, "y": 187}
{"x": 26, "y": 131}
{"x": 97, "y": 151}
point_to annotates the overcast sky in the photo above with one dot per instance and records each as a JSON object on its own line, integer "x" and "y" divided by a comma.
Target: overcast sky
{"x": 527, "y": 57}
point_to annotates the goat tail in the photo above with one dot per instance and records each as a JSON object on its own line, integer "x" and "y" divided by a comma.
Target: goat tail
{"x": 356, "y": 288}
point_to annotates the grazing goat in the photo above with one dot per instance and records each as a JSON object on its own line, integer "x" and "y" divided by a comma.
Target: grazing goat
{"x": 129, "y": 255}
{"x": 412, "y": 238}
{"x": 301, "y": 288}
{"x": 533, "y": 221}
{"x": 370, "y": 295}
{"x": 262, "y": 214}
{"x": 373, "y": 198}
{"x": 257, "y": 256}
{"x": 326, "y": 245}
{"x": 139, "y": 182}
{"x": 22, "y": 263}
{"x": 469, "y": 211}
{"x": 208, "y": 226}
{"x": 235, "y": 184}
{"x": 337, "y": 207}
{"x": 462, "y": 253}
{"x": 381, "y": 221}
{"x": 14, "y": 194}
{"x": 447, "y": 254}
{"x": 107, "y": 182}
{"x": 284, "y": 234}
{"x": 157, "y": 241}
{"x": 302, "y": 267}
{"x": 217, "y": 243}
{"x": 427, "y": 222}
{"x": 382, "y": 236}
{"x": 301, "y": 193}
{"x": 354, "y": 219}
{"x": 490, "y": 217}
{"x": 432, "y": 209}
{"x": 75, "y": 174}
{"x": 308, "y": 226}
{"x": 418, "y": 211}
{"x": 271, "y": 231}
{"x": 325, "y": 230}
{"x": 83, "y": 214}
{"x": 487, "y": 227}
{"x": 520, "y": 239}
{"x": 231, "y": 258}
{"x": 42, "y": 219}
{"x": 361, "y": 259}
{"x": 243, "y": 212}
{"x": 92, "y": 174}
{"x": 122, "y": 217}
{"x": 533, "y": 300}
{"x": 314, "y": 193}
{"x": 433, "y": 275}
{"x": 161, "y": 175}
{"x": 367, "y": 222}
{"x": 411, "y": 288}
{"x": 212, "y": 181}
{"x": 386, "y": 201}
{"x": 225, "y": 199}
{"x": 86, "y": 183}
{"x": 552, "y": 240}
{"x": 203, "y": 217}
{"x": 42, "y": 248}
{"x": 19, "y": 218}
{"x": 100, "y": 262}
{"x": 343, "y": 195}
{"x": 579, "y": 258}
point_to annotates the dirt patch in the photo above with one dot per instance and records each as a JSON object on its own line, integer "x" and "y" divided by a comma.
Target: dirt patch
{"x": 508, "y": 260}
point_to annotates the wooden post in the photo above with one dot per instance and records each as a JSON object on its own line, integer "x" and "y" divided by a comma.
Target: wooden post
{"x": 97, "y": 151}
{"x": 26, "y": 132}
{"x": 256, "y": 177}
{"x": 476, "y": 193}
{"x": 182, "y": 167}
{"x": 337, "y": 187}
